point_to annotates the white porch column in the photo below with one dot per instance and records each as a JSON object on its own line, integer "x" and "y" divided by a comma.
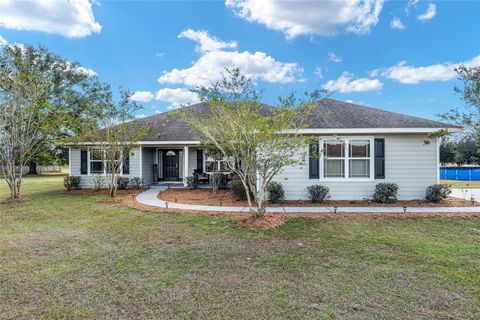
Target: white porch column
{"x": 185, "y": 165}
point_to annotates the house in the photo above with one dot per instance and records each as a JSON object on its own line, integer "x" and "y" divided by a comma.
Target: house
{"x": 361, "y": 146}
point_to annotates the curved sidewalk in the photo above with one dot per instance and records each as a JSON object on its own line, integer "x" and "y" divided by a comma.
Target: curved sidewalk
{"x": 150, "y": 198}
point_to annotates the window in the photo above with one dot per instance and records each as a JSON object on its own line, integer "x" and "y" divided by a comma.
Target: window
{"x": 99, "y": 165}
{"x": 359, "y": 158}
{"x": 223, "y": 166}
{"x": 217, "y": 166}
{"x": 96, "y": 161}
{"x": 334, "y": 159}
{"x": 117, "y": 161}
{"x": 347, "y": 159}
{"x": 210, "y": 166}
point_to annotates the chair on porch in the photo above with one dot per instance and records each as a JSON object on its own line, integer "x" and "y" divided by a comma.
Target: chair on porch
{"x": 201, "y": 176}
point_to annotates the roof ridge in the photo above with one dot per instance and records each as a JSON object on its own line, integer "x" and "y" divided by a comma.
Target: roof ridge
{"x": 387, "y": 111}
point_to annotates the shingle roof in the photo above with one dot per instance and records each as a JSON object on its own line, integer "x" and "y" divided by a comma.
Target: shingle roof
{"x": 329, "y": 113}
{"x": 326, "y": 113}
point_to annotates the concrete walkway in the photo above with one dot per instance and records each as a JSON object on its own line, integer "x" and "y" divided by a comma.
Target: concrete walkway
{"x": 150, "y": 198}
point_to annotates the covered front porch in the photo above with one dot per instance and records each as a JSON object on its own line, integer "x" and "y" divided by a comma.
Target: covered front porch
{"x": 171, "y": 164}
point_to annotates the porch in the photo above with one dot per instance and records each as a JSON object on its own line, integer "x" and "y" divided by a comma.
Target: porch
{"x": 171, "y": 164}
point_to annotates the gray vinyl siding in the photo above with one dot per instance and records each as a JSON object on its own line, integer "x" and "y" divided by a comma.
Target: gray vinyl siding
{"x": 148, "y": 155}
{"x": 409, "y": 162}
{"x": 85, "y": 179}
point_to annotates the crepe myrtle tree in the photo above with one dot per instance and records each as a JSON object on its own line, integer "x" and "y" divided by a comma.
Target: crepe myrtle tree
{"x": 255, "y": 140}
{"x": 44, "y": 99}
{"x": 118, "y": 136}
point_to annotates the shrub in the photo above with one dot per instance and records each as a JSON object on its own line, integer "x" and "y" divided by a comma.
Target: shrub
{"x": 71, "y": 183}
{"x": 437, "y": 192}
{"x": 122, "y": 182}
{"x": 192, "y": 182}
{"x": 218, "y": 181}
{"x": 275, "y": 192}
{"x": 238, "y": 189}
{"x": 97, "y": 182}
{"x": 136, "y": 182}
{"x": 385, "y": 192}
{"x": 318, "y": 193}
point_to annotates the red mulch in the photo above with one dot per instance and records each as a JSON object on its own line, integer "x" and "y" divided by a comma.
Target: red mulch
{"x": 226, "y": 198}
{"x": 274, "y": 220}
{"x": 20, "y": 199}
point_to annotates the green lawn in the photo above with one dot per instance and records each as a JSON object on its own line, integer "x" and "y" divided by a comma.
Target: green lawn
{"x": 463, "y": 184}
{"x": 65, "y": 256}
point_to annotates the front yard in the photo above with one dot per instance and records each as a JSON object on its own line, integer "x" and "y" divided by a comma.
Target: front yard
{"x": 70, "y": 256}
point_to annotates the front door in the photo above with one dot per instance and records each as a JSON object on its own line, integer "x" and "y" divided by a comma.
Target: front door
{"x": 170, "y": 165}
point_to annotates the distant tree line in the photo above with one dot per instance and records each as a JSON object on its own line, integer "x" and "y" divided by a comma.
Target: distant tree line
{"x": 461, "y": 152}
{"x": 466, "y": 148}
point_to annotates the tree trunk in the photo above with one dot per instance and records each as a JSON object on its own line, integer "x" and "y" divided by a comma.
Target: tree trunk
{"x": 32, "y": 167}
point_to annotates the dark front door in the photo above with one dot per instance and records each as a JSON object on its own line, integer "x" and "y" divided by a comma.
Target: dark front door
{"x": 170, "y": 165}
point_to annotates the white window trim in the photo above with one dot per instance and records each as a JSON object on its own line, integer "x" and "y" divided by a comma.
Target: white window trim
{"x": 218, "y": 166}
{"x": 346, "y": 141}
{"x": 104, "y": 165}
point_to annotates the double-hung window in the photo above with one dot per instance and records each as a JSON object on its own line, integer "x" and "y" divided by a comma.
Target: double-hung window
{"x": 117, "y": 163}
{"x": 359, "y": 158}
{"x": 334, "y": 159}
{"x": 99, "y": 164}
{"x": 348, "y": 158}
{"x": 216, "y": 166}
{"x": 97, "y": 161}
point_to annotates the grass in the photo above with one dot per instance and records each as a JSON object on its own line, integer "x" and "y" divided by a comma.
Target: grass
{"x": 65, "y": 256}
{"x": 462, "y": 184}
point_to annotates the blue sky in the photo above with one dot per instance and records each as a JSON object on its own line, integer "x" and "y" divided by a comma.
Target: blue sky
{"x": 397, "y": 56}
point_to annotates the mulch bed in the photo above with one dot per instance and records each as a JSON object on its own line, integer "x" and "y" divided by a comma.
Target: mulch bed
{"x": 20, "y": 199}
{"x": 274, "y": 220}
{"x": 226, "y": 198}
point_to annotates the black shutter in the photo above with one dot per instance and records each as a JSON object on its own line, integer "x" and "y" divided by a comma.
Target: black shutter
{"x": 126, "y": 165}
{"x": 313, "y": 160}
{"x": 83, "y": 162}
{"x": 379, "y": 158}
{"x": 199, "y": 160}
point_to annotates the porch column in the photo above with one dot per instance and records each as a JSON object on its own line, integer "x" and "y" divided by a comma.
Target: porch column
{"x": 185, "y": 165}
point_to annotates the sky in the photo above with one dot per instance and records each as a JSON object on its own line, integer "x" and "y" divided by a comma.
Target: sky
{"x": 394, "y": 55}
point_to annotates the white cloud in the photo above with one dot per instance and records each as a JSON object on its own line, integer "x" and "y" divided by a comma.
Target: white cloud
{"x": 410, "y": 4}
{"x": 349, "y": 101}
{"x": 206, "y": 42}
{"x": 87, "y": 71}
{"x": 429, "y": 14}
{"x": 142, "y": 96}
{"x": 346, "y": 83}
{"x": 318, "y": 72}
{"x": 333, "y": 57}
{"x": 177, "y": 97}
{"x": 72, "y": 18}
{"x": 139, "y": 116}
{"x": 211, "y": 64}
{"x": 408, "y": 74}
{"x": 3, "y": 42}
{"x": 397, "y": 24}
{"x": 295, "y": 18}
